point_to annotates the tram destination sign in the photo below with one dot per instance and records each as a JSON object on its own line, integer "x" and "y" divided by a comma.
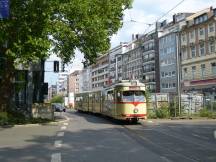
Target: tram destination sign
{"x": 4, "y": 9}
{"x": 134, "y": 88}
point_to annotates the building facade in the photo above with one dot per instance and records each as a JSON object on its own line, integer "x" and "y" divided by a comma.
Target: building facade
{"x": 168, "y": 53}
{"x": 115, "y": 62}
{"x": 198, "y": 61}
{"x": 150, "y": 55}
{"x": 52, "y": 91}
{"x": 100, "y": 72}
{"x": 132, "y": 60}
{"x": 85, "y": 80}
{"x": 61, "y": 86}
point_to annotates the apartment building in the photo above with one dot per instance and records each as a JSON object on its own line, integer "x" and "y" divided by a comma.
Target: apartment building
{"x": 132, "y": 60}
{"x": 150, "y": 62}
{"x": 52, "y": 91}
{"x": 115, "y": 62}
{"x": 169, "y": 51}
{"x": 62, "y": 78}
{"x": 100, "y": 72}
{"x": 198, "y": 61}
{"x": 85, "y": 80}
{"x": 73, "y": 81}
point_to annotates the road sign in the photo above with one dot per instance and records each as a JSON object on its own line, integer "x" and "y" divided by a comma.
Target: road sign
{"x": 4, "y": 9}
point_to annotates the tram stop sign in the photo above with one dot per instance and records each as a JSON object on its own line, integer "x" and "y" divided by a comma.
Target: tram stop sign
{"x": 4, "y": 9}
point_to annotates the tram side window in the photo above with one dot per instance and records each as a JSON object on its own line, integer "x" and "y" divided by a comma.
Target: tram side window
{"x": 110, "y": 95}
{"x": 119, "y": 96}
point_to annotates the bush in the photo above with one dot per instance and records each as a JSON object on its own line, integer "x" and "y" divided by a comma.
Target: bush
{"x": 3, "y": 118}
{"x": 162, "y": 113}
{"x": 151, "y": 114}
{"x": 206, "y": 113}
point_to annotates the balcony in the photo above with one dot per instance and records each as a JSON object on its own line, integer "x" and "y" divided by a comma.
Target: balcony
{"x": 149, "y": 80}
{"x": 192, "y": 40}
{"x": 148, "y": 59}
{"x": 201, "y": 38}
{"x": 148, "y": 70}
{"x": 183, "y": 42}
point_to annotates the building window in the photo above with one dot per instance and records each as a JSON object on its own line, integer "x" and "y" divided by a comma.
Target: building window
{"x": 183, "y": 37}
{"x": 211, "y": 27}
{"x": 173, "y": 73}
{"x": 185, "y": 73}
{"x": 213, "y": 68}
{"x": 184, "y": 54}
{"x": 192, "y": 34}
{"x": 201, "y": 31}
{"x": 202, "y": 71}
{"x": 193, "y": 51}
{"x": 193, "y": 72}
{"x": 211, "y": 47}
{"x": 202, "y": 49}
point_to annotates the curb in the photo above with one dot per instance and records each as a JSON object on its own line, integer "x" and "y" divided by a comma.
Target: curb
{"x": 37, "y": 124}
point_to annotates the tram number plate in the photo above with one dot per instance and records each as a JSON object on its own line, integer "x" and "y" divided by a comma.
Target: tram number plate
{"x": 134, "y": 88}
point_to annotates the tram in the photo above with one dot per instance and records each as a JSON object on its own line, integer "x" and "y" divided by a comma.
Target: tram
{"x": 123, "y": 101}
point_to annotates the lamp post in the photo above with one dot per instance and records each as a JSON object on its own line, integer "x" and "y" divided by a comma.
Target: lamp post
{"x": 178, "y": 73}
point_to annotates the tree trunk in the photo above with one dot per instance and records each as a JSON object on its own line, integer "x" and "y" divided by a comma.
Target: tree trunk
{"x": 7, "y": 83}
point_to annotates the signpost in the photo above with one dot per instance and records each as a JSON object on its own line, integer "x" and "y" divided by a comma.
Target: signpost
{"x": 4, "y": 9}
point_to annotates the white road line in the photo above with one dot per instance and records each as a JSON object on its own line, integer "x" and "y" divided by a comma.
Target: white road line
{"x": 196, "y": 135}
{"x": 215, "y": 134}
{"x": 60, "y": 134}
{"x": 63, "y": 127}
{"x": 149, "y": 121}
{"x": 58, "y": 143}
{"x": 65, "y": 123}
{"x": 56, "y": 157}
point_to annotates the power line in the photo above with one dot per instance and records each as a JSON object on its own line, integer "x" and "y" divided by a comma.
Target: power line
{"x": 170, "y": 10}
{"x": 165, "y": 14}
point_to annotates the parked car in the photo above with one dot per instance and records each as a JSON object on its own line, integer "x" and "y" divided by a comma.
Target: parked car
{"x": 58, "y": 107}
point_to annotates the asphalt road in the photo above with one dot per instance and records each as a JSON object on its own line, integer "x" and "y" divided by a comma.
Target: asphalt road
{"x": 88, "y": 138}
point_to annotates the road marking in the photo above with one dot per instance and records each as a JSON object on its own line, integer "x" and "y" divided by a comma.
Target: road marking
{"x": 149, "y": 121}
{"x": 58, "y": 143}
{"x": 65, "y": 123}
{"x": 196, "y": 135}
{"x": 60, "y": 134}
{"x": 56, "y": 157}
{"x": 164, "y": 158}
{"x": 63, "y": 127}
{"x": 215, "y": 134}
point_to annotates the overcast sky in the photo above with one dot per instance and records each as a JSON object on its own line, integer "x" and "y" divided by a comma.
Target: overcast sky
{"x": 143, "y": 12}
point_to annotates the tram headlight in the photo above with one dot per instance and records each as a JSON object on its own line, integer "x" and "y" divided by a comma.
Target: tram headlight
{"x": 136, "y": 110}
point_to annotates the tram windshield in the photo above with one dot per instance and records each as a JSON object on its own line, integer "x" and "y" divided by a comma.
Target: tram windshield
{"x": 133, "y": 96}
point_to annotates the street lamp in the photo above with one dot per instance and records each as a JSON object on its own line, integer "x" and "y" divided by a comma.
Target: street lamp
{"x": 178, "y": 73}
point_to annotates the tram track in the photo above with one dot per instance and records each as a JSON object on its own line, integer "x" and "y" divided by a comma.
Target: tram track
{"x": 167, "y": 154}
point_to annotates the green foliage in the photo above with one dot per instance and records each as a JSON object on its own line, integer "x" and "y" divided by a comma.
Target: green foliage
{"x": 3, "y": 118}
{"x": 207, "y": 113}
{"x": 162, "y": 112}
{"x": 35, "y": 26}
{"x": 151, "y": 114}
{"x": 13, "y": 117}
{"x": 57, "y": 99}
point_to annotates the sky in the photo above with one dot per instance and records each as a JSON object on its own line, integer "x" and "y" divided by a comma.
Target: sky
{"x": 136, "y": 20}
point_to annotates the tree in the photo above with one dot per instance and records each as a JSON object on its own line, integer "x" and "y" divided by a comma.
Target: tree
{"x": 57, "y": 99}
{"x": 36, "y": 26}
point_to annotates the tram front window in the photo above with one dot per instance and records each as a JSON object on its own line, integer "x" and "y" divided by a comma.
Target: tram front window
{"x": 133, "y": 96}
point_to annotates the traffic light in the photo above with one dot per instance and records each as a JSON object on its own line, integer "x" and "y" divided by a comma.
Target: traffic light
{"x": 56, "y": 66}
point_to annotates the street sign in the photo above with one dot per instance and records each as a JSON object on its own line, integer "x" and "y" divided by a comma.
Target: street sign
{"x": 4, "y": 9}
